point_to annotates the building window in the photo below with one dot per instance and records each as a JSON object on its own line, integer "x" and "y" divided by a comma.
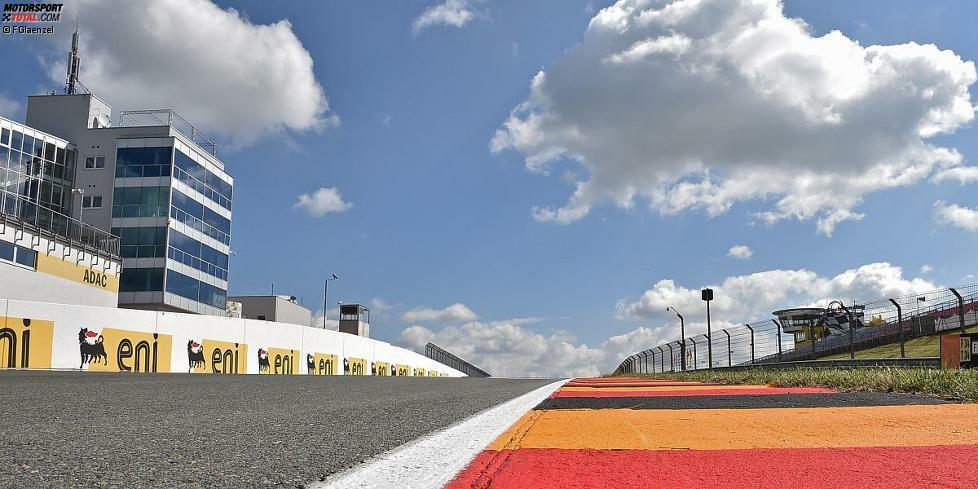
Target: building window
{"x": 141, "y": 242}
{"x": 141, "y": 280}
{"x": 94, "y": 162}
{"x": 193, "y": 253}
{"x": 195, "y": 290}
{"x": 200, "y": 217}
{"x": 18, "y": 254}
{"x": 200, "y": 179}
{"x": 92, "y": 202}
{"x": 143, "y": 162}
{"x": 140, "y": 201}
{"x": 5, "y": 136}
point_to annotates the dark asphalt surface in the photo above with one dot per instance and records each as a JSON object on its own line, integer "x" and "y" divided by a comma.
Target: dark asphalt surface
{"x": 73, "y": 429}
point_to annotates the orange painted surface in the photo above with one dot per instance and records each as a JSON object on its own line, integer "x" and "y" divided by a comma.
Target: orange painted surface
{"x": 723, "y": 429}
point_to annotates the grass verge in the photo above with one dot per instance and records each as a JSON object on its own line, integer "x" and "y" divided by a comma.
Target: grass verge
{"x": 924, "y": 346}
{"x": 950, "y": 384}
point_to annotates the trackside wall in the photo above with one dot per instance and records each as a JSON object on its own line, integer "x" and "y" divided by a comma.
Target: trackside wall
{"x": 45, "y": 335}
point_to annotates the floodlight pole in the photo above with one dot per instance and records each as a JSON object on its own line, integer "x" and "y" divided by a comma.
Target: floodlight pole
{"x": 707, "y": 295}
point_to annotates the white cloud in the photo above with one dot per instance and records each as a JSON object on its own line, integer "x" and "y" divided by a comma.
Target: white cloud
{"x": 333, "y": 324}
{"x": 379, "y": 305}
{"x": 741, "y": 252}
{"x": 507, "y": 349}
{"x": 454, "y": 313}
{"x": 925, "y": 269}
{"x": 9, "y": 108}
{"x": 235, "y": 79}
{"x": 963, "y": 217}
{"x": 454, "y": 13}
{"x": 963, "y": 174}
{"x": 752, "y": 297}
{"x": 700, "y": 104}
{"x": 321, "y": 202}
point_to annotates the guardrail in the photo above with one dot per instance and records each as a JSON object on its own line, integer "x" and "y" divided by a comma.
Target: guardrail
{"x": 18, "y": 210}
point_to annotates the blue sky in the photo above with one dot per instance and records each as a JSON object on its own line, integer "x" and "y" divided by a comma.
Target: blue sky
{"x": 435, "y": 217}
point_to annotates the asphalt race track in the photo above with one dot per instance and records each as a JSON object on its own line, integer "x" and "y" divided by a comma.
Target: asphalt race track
{"x": 72, "y": 429}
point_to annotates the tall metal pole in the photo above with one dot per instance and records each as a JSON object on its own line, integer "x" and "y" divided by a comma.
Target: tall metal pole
{"x": 729, "y": 355}
{"x": 903, "y": 351}
{"x": 779, "y": 337}
{"x": 960, "y": 308}
{"x": 707, "y": 295}
{"x": 751, "y": 343}
{"x": 682, "y": 335}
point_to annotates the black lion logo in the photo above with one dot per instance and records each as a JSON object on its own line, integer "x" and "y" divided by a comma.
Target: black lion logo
{"x": 195, "y": 354}
{"x": 310, "y": 364}
{"x": 92, "y": 347}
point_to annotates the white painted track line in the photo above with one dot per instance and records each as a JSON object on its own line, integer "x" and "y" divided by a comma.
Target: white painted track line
{"x": 434, "y": 459}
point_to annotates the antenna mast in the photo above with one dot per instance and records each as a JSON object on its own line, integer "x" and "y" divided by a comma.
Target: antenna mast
{"x": 72, "y": 76}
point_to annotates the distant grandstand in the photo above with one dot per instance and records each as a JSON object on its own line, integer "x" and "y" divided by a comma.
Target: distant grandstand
{"x": 445, "y": 357}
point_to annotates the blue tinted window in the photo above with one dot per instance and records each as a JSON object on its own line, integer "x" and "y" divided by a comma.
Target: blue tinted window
{"x": 184, "y": 286}
{"x": 200, "y": 179}
{"x": 5, "y": 136}
{"x": 16, "y": 138}
{"x": 141, "y": 280}
{"x": 193, "y": 253}
{"x": 143, "y": 162}
{"x": 28, "y": 145}
{"x": 26, "y": 256}
{"x": 6, "y": 251}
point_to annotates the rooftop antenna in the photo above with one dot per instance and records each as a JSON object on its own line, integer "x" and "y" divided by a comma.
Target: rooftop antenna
{"x": 72, "y": 75}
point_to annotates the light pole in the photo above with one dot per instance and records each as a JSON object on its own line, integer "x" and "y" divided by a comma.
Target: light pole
{"x": 707, "y": 295}
{"x": 682, "y": 334}
{"x": 81, "y": 204}
{"x": 325, "y": 295}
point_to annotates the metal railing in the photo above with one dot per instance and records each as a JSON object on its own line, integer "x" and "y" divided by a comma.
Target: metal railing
{"x": 445, "y": 357}
{"x": 168, "y": 117}
{"x": 887, "y": 321}
{"x": 18, "y": 210}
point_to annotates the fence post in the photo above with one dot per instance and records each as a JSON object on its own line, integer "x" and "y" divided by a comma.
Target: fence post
{"x": 751, "y": 343}
{"x": 852, "y": 332}
{"x": 672, "y": 366}
{"x": 662, "y": 359}
{"x": 960, "y": 308}
{"x": 903, "y": 351}
{"x": 778, "y": 323}
{"x": 729, "y": 356}
{"x": 692, "y": 339}
{"x": 811, "y": 334}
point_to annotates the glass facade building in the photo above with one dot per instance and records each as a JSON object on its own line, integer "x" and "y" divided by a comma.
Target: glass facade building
{"x": 171, "y": 209}
{"x": 37, "y": 166}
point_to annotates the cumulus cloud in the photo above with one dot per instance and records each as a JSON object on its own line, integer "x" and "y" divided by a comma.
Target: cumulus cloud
{"x": 454, "y": 13}
{"x": 333, "y": 324}
{"x": 9, "y": 108}
{"x": 508, "y": 349}
{"x": 751, "y": 297}
{"x": 741, "y": 252}
{"x": 963, "y": 174}
{"x": 962, "y": 217}
{"x": 321, "y": 202}
{"x": 233, "y": 78}
{"x": 925, "y": 269}
{"x": 700, "y": 104}
{"x": 457, "y": 312}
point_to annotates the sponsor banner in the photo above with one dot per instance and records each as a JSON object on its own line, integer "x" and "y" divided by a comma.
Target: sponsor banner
{"x": 402, "y": 370}
{"x": 382, "y": 369}
{"x": 278, "y": 361}
{"x": 119, "y": 350}
{"x": 355, "y": 366}
{"x": 25, "y": 342}
{"x": 418, "y": 372}
{"x": 216, "y": 357}
{"x": 321, "y": 364}
{"x": 77, "y": 273}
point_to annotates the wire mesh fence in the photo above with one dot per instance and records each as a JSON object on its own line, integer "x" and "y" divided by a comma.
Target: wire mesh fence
{"x": 895, "y": 327}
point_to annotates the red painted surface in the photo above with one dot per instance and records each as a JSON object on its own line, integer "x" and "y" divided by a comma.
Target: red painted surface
{"x": 719, "y": 391}
{"x": 606, "y": 385}
{"x": 875, "y": 467}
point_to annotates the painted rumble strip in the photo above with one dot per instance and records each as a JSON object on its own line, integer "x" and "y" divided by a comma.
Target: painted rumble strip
{"x": 432, "y": 461}
{"x": 633, "y": 432}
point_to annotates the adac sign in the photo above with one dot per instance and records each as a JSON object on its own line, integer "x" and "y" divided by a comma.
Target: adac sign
{"x": 119, "y": 350}
{"x": 68, "y": 270}
{"x": 25, "y": 343}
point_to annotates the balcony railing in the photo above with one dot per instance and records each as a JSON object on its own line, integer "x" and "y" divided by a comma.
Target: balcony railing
{"x": 16, "y": 209}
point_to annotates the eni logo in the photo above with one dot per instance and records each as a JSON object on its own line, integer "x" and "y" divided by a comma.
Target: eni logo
{"x": 96, "y": 278}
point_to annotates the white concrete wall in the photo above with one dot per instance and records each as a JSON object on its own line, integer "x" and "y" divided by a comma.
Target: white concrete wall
{"x": 54, "y": 340}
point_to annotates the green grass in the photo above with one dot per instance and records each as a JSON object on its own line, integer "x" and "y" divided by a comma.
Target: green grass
{"x": 950, "y": 384}
{"x": 925, "y": 346}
